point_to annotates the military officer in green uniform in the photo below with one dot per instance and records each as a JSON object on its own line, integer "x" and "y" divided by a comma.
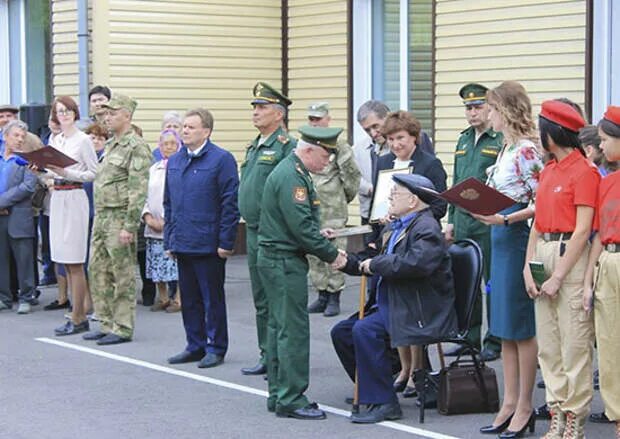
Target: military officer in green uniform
{"x": 267, "y": 150}
{"x": 476, "y": 150}
{"x": 336, "y": 186}
{"x": 288, "y": 231}
{"x": 120, "y": 191}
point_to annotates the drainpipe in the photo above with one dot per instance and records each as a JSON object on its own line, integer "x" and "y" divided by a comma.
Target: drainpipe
{"x": 82, "y": 36}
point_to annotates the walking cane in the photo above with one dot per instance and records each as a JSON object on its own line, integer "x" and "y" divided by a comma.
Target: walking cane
{"x": 356, "y": 394}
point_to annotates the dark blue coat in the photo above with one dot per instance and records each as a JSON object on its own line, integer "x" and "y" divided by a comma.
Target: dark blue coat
{"x": 200, "y": 201}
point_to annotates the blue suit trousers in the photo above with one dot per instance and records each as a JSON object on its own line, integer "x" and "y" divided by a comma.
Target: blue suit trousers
{"x": 201, "y": 281}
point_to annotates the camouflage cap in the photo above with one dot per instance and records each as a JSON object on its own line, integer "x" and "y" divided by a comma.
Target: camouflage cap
{"x": 10, "y": 108}
{"x": 121, "y": 101}
{"x": 266, "y": 94}
{"x": 473, "y": 94}
{"x": 318, "y": 109}
{"x": 319, "y": 136}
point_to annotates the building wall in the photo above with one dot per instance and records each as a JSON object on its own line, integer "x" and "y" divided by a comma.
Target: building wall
{"x": 65, "y": 48}
{"x": 172, "y": 55}
{"x": 318, "y": 59}
{"x": 318, "y": 63}
{"x": 540, "y": 43}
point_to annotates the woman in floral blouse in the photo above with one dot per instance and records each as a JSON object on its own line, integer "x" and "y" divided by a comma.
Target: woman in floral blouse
{"x": 512, "y": 311}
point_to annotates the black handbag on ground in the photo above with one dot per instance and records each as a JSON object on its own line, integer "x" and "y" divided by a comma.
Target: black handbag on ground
{"x": 465, "y": 388}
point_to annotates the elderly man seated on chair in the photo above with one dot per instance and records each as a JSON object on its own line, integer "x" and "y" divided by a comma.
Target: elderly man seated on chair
{"x": 415, "y": 294}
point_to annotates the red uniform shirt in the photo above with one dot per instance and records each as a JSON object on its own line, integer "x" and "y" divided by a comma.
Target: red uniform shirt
{"x": 608, "y": 213}
{"x": 563, "y": 186}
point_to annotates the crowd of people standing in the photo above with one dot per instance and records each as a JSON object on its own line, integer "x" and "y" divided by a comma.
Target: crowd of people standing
{"x": 176, "y": 210}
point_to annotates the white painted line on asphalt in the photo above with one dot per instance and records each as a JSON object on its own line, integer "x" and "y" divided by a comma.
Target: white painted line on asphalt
{"x": 228, "y": 385}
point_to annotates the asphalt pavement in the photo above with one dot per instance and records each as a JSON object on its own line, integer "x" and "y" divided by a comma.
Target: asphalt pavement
{"x": 65, "y": 387}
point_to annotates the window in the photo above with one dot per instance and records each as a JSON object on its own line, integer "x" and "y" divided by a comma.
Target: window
{"x": 24, "y": 55}
{"x": 605, "y": 57}
{"x": 400, "y": 53}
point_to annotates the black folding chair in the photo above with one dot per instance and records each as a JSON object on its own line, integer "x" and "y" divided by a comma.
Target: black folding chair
{"x": 467, "y": 266}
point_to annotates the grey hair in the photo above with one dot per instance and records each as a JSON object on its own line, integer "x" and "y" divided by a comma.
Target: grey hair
{"x": 15, "y": 124}
{"x": 171, "y": 116}
{"x": 282, "y": 110}
{"x": 380, "y": 109}
{"x": 302, "y": 144}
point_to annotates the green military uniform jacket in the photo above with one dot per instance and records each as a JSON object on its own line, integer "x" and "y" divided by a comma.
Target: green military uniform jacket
{"x": 260, "y": 160}
{"x": 289, "y": 220}
{"x": 122, "y": 178}
{"x": 472, "y": 160}
{"x": 337, "y": 184}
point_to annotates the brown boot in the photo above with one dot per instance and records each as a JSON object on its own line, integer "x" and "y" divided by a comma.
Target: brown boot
{"x": 558, "y": 425}
{"x": 173, "y": 307}
{"x": 160, "y": 306}
{"x": 574, "y": 426}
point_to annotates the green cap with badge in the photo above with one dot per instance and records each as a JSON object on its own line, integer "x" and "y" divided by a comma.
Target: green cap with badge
{"x": 320, "y": 136}
{"x": 266, "y": 94}
{"x": 473, "y": 94}
{"x": 121, "y": 101}
{"x": 318, "y": 109}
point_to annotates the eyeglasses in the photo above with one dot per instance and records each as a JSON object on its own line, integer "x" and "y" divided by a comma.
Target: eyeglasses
{"x": 64, "y": 112}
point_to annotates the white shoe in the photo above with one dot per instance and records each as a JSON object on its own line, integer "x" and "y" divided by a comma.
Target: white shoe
{"x": 23, "y": 308}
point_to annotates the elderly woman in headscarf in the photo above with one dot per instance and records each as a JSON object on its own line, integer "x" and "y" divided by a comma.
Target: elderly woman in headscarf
{"x": 171, "y": 121}
{"x": 160, "y": 268}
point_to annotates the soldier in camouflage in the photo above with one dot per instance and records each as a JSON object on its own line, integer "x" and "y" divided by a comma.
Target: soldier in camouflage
{"x": 336, "y": 186}
{"x": 120, "y": 191}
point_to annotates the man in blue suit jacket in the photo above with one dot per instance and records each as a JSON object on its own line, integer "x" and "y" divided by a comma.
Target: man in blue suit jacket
{"x": 201, "y": 217}
{"x": 17, "y": 185}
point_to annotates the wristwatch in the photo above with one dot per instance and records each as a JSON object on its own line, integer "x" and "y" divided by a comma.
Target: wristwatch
{"x": 506, "y": 220}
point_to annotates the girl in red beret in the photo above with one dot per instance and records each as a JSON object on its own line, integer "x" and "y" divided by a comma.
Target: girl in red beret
{"x": 602, "y": 282}
{"x": 565, "y": 203}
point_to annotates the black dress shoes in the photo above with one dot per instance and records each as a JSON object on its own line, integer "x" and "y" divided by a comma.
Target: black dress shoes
{"x": 459, "y": 350}
{"x": 600, "y": 418}
{"x": 488, "y": 355}
{"x": 69, "y": 328}
{"x": 492, "y": 429}
{"x": 542, "y": 412}
{"x": 259, "y": 369}
{"x": 399, "y": 386}
{"x": 378, "y": 413}
{"x": 211, "y": 360}
{"x": 94, "y": 335}
{"x": 530, "y": 424}
{"x": 56, "y": 305}
{"x": 109, "y": 339}
{"x": 410, "y": 392}
{"x": 186, "y": 357}
{"x": 310, "y": 412}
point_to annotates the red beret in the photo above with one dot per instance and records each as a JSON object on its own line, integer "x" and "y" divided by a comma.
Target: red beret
{"x": 562, "y": 114}
{"x": 613, "y": 114}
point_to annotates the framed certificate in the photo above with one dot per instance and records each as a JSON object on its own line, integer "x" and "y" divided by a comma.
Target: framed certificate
{"x": 380, "y": 201}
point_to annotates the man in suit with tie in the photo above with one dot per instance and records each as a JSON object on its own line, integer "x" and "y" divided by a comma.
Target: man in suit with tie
{"x": 17, "y": 184}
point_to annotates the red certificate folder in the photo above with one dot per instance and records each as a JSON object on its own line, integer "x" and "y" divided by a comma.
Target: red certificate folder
{"x": 476, "y": 197}
{"x": 46, "y": 156}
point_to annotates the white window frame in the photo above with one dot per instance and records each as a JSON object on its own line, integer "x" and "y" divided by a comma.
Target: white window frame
{"x": 363, "y": 58}
{"x": 5, "y": 78}
{"x": 605, "y": 57}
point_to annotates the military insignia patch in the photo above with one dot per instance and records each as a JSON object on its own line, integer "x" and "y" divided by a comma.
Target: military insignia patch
{"x": 300, "y": 194}
{"x": 283, "y": 139}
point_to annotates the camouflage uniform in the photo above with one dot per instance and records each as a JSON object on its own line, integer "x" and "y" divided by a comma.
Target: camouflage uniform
{"x": 336, "y": 186}
{"x": 120, "y": 191}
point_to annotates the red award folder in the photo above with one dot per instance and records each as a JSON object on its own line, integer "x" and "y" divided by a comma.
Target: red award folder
{"x": 46, "y": 156}
{"x": 476, "y": 197}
